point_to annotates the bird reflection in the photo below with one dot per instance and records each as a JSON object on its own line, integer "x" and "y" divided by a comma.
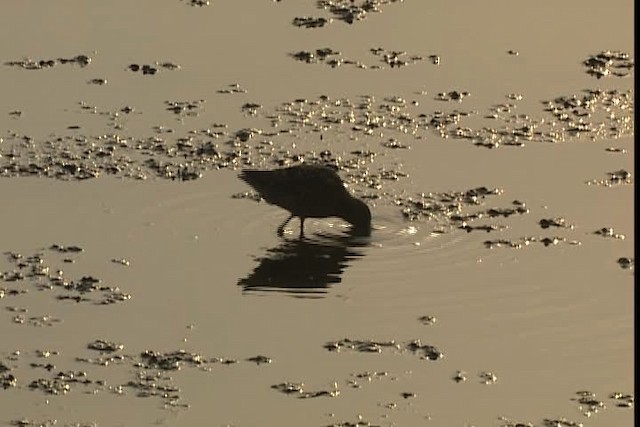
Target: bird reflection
{"x": 305, "y": 267}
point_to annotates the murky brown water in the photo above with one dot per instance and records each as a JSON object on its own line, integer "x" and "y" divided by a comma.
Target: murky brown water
{"x": 141, "y": 283}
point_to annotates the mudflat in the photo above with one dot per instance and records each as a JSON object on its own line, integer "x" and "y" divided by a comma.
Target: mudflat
{"x": 143, "y": 283}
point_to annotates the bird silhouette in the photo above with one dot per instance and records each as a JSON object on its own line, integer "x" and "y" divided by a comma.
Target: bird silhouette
{"x": 310, "y": 191}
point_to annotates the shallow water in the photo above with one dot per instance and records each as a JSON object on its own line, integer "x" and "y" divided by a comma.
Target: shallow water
{"x": 494, "y": 289}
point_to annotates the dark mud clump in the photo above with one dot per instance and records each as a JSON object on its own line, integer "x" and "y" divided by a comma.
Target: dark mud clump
{"x": 310, "y": 22}
{"x": 40, "y": 64}
{"x": 459, "y": 376}
{"x": 66, "y": 249}
{"x": 488, "y": 228}
{"x": 522, "y": 242}
{"x": 170, "y": 361}
{"x": 627, "y": 263}
{"x": 358, "y": 379}
{"x": 7, "y": 379}
{"x": 233, "y": 88}
{"x": 554, "y": 222}
{"x": 427, "y": 320}
{"x": 26, "y": 422}
{"x": 588, "y": 403}
{"x": 487, "y": 377}
{"x": 105, "y": 346}
{"x": 297, "y": 389}
{"x": 251, "y": 108}
{"x": 351, "y": 11}
{"x": 196, "y": 3}
{"x": 616, "y": 178}
{"x": 453, "y": 95}
{"x": 395, "y": 144}
{"x": 122, "y": 261}
{"x": 506, "y": 422}
{"x": 151, "y": 70}
{"x": 609, "y": 232}
{"x": 623, "y": 400}
{"x": 322, "y": 55}
{"x": 395, "y": 58}
{"x": 609, "y": 63}
{"x": 425, "y": 351}
{"x": 185, "y": 108}
{"x": 61, "y": 382}
{"x": 259, "y": 359}
{"x": 366, "y": 346}
{"x": 359, "y": 423}
{"x": 445, "y": 204}
{"x": 334, "y": 58}
{"x": 97, "y": 82}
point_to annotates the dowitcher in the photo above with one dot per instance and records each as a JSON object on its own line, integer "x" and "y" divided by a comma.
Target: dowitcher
{"x": 310, "y": 191}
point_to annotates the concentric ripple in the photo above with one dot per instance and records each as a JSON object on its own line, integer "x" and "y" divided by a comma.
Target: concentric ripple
{"x": 312, "y": 265}
{"x": 309, "y": 266}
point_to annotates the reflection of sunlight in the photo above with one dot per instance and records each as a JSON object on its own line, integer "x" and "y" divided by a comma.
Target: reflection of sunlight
{"x": 409, "y": 231}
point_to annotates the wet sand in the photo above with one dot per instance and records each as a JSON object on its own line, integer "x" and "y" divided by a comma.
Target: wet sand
{"x": 141, "y": 283}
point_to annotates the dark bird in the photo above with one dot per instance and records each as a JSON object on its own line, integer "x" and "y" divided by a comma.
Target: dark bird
{"x": 310, "y": 191}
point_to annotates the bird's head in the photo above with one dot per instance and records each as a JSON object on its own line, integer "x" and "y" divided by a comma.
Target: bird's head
{"x": 357, "y": 214}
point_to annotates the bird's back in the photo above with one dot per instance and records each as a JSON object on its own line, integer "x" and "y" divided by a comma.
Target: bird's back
{"x": 304, "y": 190}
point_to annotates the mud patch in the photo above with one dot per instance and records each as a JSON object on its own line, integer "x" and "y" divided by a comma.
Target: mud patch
{"x": 586, "y": 402}
{"x": 519, "y": 243}
{"x": 609, "y": 232}
{"x": 148, "y": 372}
{"x": 37, "y": 272}
{"x": 427, "y": 320}
{"x": 310, "y": 22}
{"x": 622, "y": 400}
{"x": 627, "y": 263}
{"x": 609, "y": 63}
{"x": 424, "y": 351}
{"x": 37, "y": 321}
{"x": 41, "y": 64}
{"x": 233, "y": 88}
{"x": 555, "y": 222}
{"x": 185, "y": 108}
{"x": 196, "y": 3}
{"x": 334, "y": 58}
{"x": 614, "y": 179}
{"x": 152, "y": 69}
{"x": 453, "y": 95}
{"x": 298, "y": 390}
{"x": 351, "y": 11}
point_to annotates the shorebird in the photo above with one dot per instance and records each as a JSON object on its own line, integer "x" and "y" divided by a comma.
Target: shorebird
{"x": 309, "y": 191}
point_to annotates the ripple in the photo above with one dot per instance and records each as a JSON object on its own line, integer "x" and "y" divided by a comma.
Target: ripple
{"x": 422, "y": 246}
{"x": 310, "y": 267}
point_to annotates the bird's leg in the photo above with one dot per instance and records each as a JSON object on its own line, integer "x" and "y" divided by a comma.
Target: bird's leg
{"x": 281, "y": 228}
{"x": 301, "y": 227}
